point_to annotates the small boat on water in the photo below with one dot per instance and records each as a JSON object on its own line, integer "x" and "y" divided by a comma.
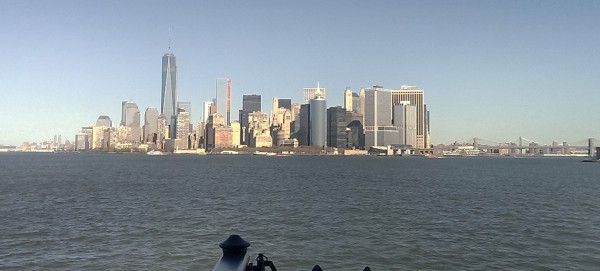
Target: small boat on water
{"x": 155, "y": 152}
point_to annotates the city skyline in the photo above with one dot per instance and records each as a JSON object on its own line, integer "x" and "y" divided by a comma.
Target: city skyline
{"x": 490, "y": 70}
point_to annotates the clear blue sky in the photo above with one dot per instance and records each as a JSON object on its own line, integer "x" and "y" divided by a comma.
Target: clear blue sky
{"x": 492, "y": 69}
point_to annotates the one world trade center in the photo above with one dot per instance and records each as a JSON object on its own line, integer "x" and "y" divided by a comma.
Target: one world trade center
{"x": 168, "y": 97}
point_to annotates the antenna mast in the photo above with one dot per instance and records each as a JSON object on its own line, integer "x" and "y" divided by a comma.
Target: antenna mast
{"x": 169, "y": 39}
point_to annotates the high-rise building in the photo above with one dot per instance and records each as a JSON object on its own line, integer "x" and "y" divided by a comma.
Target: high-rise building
{"x": 130, "y": 114}
{"x": 130, "y": 117}
{"x": 356, "y": 103}
{"x": 416, "y": 97}
{"x": 285, "y": 103}
{"x": 427, "y": 134}
{"x": 206, "y": 110}
{"x": 235, "y": 133}
{"x": 379, "y": 130}
{"x": 186, "y": 107}
{"x": 104, "y": 121}
{"x": 318, "y": 120}
{"x": 310, "y": 93}
{"x": 183, "y": 129}
{"x": 258, "y": 126}
{"x": 88, "y": 130}
{"x": 250, "y": 103}
{"x": 336, "y": 127}
{"x": 168, "y": 98}
{"x": 81, "y": 142}
{"x": 162, "y": 132}
{"x": 281, "y": 125}
{"x": 348, "y": 99}
{"x": 302, "y": 132}
{"x": 150, "y": 125}
{"x": 405, "y": 118}
{"x": 223, "y": 97}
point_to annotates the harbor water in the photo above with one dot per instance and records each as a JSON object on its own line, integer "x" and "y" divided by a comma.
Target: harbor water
{"x": 91, "y": 211}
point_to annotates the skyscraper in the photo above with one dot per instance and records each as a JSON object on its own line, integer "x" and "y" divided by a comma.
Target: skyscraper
{"x": 336, "y": 127}
{"x": 223, "y": 96}
{"x": 310, "y": 93}
{"x": 130, "y": 114}
{"x": 378, "y": 118}
{"x": 206, "y": 111}
{"x": 250, "y": 103}
{"x": 285, "y": 103}
{"x": 182, "y": 129}
{"x": 416, "y": 97}
{"x": 405, "y": 118}
{"x": 150, "y": 125}
{"x": 348, "y": 99}
{"x": 168, "y": 98}
{"x": 186, "y": 107}
{"x": 303, "y": 131}
{"x": 318, "y": 120}
{"x": 104, "y": 121}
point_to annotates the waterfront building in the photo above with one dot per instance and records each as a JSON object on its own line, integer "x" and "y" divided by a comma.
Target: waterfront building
{"x": 162, "y": 131}
{"x": 89, "y": 131}
{"x": 168, "y": 97}
{"x": 281, "y": 125}
{"x": 182, "y": 129}
{"x": 122, "y": 138}
{"x": 150, "y": 125}
{"x": 356, "y": 135}
{"x": 200, "y": 135}
{"x": 101, "y": 137}
{"x": 427, "y": 132}
{"x": 318, "y": 120}
{"x": 214, "y": 121}
{"x": 82, "y": 142}
{"x": 379, "y": 130}
{"x": 310, "y": 93}
{"x": 302, "y": 133}
{"x": 235, "y": 133}
{"x": 258, "y": 125}
{"x": 336, "y": 127}
{"x": 262, "y": 141}
{"x": 416, "y": 97}
{"x": 223, "y": 137}
{"x": 405, "y": 118}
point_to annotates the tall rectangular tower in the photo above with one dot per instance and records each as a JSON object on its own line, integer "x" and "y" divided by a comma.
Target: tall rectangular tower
{"x": 416, "y": 97}
{"x": 168, "y": 97}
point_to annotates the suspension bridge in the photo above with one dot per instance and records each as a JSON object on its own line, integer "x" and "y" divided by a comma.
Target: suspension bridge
{"x": 521, "y": 146}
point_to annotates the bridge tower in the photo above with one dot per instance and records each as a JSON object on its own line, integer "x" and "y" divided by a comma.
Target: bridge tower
{"x": 475, "y": 143}
{"x": 591, "y": 147}
{"x": 520, "y": 145}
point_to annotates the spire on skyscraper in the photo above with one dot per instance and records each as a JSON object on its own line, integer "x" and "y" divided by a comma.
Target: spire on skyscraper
{"x": 169, "y": 39}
